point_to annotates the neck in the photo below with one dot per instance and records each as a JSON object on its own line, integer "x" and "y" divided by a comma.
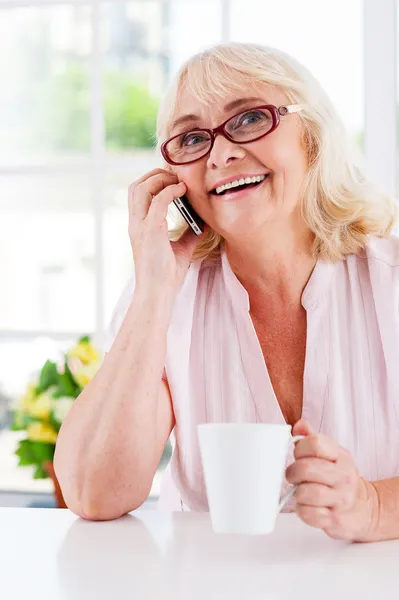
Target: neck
{"x": 277, "y": 261}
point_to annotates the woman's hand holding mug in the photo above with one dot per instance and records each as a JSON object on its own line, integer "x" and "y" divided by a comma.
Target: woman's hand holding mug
{"x": 330, "y": 495}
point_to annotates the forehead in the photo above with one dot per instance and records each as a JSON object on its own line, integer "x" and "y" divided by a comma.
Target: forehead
{"x": 220, "y": 107}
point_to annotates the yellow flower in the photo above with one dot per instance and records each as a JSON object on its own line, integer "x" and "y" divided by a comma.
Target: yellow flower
{"x": 62, "y": 407}
{"x": 41, "y": 408}
{"x": 26, "y": 401}
{"x": 85, "y": 351}
{"x": 36, "y": 406}
{"x": 85, "y": 374}
{"x": 41, "y": 432}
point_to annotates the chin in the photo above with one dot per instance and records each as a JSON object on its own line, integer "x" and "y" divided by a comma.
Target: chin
{"x": 240, "y": 228}
{"x": 243, "y": 222}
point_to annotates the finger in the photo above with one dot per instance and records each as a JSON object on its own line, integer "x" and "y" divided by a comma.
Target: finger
{"x": 315, "y": 516}
{"x": 302, "y": 427}
{"x": 314, "y": 494}
{"x": 317, "y": 446}
{"x": 141, "y": 194}
{"x": 150, "y": 174}
{"x": 159, "y": 182}
{"x": 345, "y": 458}
{"x": 160, "y": 203}
{"x": 314, "y": 470}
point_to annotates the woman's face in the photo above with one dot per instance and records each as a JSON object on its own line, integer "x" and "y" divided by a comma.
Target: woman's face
{"x": 280, "y": 155}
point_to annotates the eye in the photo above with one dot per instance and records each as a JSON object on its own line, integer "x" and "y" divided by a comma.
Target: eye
{"x": 192, "y": 139}
{"x": 250, "y": 117}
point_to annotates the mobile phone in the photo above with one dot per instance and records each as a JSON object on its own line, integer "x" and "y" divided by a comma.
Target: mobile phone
{"x": 189, "y": 214}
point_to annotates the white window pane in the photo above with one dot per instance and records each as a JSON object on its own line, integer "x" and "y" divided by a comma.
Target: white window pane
{"x": 135, "y": 71}
{"x": 45, "y": 95}
{"x": 22, "y": 359}
{"x": 144, "y": 44}
{"x": 46, "y": 254}
{"x": 327, "y": 37}
{"x": 193, "y": 25}
{"x": 118, "y": 257}
{"x": 118, "y": 260}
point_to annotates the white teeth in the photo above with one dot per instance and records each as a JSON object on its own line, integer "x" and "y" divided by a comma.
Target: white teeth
{"x": 242, "y": 181}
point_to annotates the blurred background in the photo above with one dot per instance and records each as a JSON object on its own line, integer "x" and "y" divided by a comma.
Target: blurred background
{"x": 80, "y": 83}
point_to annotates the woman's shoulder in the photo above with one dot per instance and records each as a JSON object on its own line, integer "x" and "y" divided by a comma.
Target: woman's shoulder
{"x": 377, "y": 265}
{"x": 381, "y": 252}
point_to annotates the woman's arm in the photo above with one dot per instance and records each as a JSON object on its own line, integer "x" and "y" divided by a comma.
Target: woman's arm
{"x": 384, "y": 522}
{"x": 111, "y": 441}
{"x": 110, "y": 444}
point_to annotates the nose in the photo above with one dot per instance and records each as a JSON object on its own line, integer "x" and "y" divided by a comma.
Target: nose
{"x": 223, "y": 153}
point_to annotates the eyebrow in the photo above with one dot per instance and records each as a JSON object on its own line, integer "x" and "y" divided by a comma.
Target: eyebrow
{"x": 191, "y": 118}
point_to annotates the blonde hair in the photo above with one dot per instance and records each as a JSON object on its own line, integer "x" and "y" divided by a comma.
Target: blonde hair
{"x": 340, "y": 205}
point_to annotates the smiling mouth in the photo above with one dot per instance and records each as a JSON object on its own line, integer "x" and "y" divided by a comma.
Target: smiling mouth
{"x": 239, "y": 184}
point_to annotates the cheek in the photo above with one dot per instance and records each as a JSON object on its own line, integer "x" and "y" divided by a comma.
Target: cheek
{"x": 194, "y": 178}
{"x": 283, "y": 153}
{"x": 290, "y": 162}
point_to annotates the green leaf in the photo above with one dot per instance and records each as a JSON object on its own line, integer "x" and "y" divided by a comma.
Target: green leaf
{"x": 21, "y": 421}
{"x": 40, "y": 473}
{"x": 25, "y": 453}
{"x": 67, "y": 386}
{"x": 76, "y": 387}
{"x": 43, "y": 451}
{"x": 84, "y": 340}
{"x": 49, "y": 376}
{"x": 34, "y": 453}
{"x": 15, "y": 427}
{"x": 54, "y": 423}
{"x": 16, "y": 422}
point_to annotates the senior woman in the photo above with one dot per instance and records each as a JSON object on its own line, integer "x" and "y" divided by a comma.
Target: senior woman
{"x": 284, "y": 311}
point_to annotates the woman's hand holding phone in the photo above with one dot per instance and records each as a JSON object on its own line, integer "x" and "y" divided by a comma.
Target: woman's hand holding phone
{"x": 160, "y": 265}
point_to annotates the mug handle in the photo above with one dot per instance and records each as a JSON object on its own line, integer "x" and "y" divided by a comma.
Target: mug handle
{"x": 291, "y": 491}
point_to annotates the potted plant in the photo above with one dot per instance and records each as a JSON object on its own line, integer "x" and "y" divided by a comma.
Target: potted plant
{"x": 46, "y": 402}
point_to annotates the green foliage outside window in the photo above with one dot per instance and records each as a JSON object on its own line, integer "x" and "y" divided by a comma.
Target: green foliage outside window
{"x": 130, "y": 111}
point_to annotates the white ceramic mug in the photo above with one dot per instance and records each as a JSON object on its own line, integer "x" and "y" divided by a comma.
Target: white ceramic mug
{"x": 244, "y": 466}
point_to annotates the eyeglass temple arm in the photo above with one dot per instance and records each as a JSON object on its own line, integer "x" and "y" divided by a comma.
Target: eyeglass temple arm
{"x": 294, "y": 108}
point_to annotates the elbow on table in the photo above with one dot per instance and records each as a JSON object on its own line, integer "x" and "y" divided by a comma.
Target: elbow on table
{"x": 96, "y": 507}
{"x": 101, "y": 502}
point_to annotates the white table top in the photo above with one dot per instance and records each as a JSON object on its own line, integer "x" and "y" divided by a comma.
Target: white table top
{"x": 50, "y": 554}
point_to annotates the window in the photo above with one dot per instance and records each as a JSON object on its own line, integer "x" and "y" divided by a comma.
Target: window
{"x": 81, "y": 82}
{"x": 327, "y": 37}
